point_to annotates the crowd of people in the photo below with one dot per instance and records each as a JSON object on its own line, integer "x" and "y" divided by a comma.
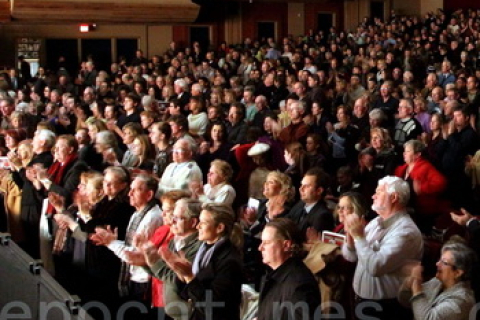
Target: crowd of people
{"x": 173, "y": 180}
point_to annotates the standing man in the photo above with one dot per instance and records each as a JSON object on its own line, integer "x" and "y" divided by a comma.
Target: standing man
{"x": 289, "y": 290}
{"x": 31, "y": 202}
{"x": 407, "y": 128}
{"x": 134, "y": 281}
{"x": 184, "y": 228}
{"x": 381, "y": 249}
{"x": 24, "y": 67}
{"x": 462, "y": 143}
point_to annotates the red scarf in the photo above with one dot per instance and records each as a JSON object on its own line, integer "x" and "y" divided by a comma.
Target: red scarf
{"x": 56, "y": 172}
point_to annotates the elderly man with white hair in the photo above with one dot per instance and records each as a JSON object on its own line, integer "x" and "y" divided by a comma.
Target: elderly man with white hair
{"x": 182, "y": 171}
{"x": 382, "y": 250}
{"x": 25, "y": 178}
{"x": 407, "y": 127}
{"x": 297, "y": 130}
{"x": 180, "y": 86}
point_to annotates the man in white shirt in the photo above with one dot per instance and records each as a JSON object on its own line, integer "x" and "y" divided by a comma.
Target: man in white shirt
{"x": 182, "y": 171}
{"x": 134, "y": 281}
{"x": 382, "y": 249}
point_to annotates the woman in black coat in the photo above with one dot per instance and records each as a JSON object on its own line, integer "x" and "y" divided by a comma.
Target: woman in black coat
{"x": 213, "y": 283}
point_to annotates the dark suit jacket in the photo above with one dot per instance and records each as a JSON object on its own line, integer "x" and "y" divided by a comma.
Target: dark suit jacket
{"x": 89, "y": 155}
{"x": 237, "y": 134}
{"x": 31, "y": 198}
{"x": 184, "y": 99}
{"x": 220, "y": 281}
{"x": 291, "y": 283}
{"x": 70, "y": 180}
{"x": 319, "y": 217}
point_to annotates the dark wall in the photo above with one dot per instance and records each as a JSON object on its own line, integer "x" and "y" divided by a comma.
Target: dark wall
{"x": 313, "y": 9}
{"x": 266, "y": 12}
{"x": 452, "y": 5}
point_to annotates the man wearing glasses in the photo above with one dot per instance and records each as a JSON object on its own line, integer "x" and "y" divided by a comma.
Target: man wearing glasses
{"x": 182, "y": 171}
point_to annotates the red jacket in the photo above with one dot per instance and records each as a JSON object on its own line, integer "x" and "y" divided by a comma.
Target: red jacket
{"x": 160, "y": 238}
{"x": 432, "y": 185}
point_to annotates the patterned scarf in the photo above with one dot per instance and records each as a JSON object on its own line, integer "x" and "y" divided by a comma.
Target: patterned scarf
{"x": 56, "y": 173}
{"x": 124, "y": 278}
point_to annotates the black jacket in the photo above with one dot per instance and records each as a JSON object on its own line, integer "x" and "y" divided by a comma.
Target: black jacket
{"x": 319, "y": 217}
{"x": 70, "y": 180}
{"x": 293, "y": 285}
{"x": 219, "y": 282}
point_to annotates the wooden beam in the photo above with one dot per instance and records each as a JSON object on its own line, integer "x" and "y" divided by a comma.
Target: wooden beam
{"x": 107, "y": 12}
{"x": 4, "y": 11}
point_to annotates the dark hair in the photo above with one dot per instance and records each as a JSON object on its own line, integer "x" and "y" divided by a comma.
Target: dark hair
{"x": 240, "y": 109}
{"x": 180, "y": 120}
{"x": 224, "y": 130}
{"x": 286, "y": 229}
{"x": 71, "y": 141}
{"x": 86, "y": 109}
{"x": 17, "y": 134}
{"x": 135, "y": 98}
{"x": 463, "y": 109}
{"x": 322, "y": 179}
{"x": 164, "y": 128}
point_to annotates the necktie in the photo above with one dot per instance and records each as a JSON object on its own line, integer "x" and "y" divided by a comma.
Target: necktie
{"x": 303, "y": 219}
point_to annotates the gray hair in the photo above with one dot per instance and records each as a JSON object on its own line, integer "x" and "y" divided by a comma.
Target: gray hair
{"x": 147, "y": 100}
{"x": 149, "y": 182}
{"x": 191, "y": 207}
{"x": 181, "y": 83}
{"x": 408, "y": 102}
{"x": 107, "y": 138}
{"x": 47, "y": 136}
{"x": 464, "y": 258}
{"x": 416, "y": 145}
{"x": 197, "y": 87}
{"x": 189, "y": 143}
{"x": 377, "y": 114}
{"x": 397, "y": 185}
{"x": 120, "y": 172}
{"x": 299, "y": 104}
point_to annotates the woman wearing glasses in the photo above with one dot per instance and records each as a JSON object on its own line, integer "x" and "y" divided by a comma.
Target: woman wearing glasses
{"x": 348, "y": 203}
{"x": 448, "y": 295}
{"x": 215, "y": 274}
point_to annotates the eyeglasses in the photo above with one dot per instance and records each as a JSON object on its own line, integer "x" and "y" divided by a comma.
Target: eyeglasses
{"x": 447, "y": 264}
{"x": 178, "y": 151}
{"x": 176, "y": 219}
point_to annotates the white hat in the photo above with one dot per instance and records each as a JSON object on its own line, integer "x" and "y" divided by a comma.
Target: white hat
{"x": 258, "y": 149}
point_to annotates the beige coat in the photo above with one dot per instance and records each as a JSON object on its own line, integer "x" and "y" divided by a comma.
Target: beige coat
{"x": 12, "y": 199}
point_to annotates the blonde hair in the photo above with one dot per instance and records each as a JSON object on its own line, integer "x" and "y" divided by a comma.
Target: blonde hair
{"x": 224, "y": 167}
{"x": 384, "y": 134}
{"x": 285, "y": 182}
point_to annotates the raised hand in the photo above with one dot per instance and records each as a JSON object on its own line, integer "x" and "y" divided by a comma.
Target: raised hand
{"x": 103, "y": 237}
